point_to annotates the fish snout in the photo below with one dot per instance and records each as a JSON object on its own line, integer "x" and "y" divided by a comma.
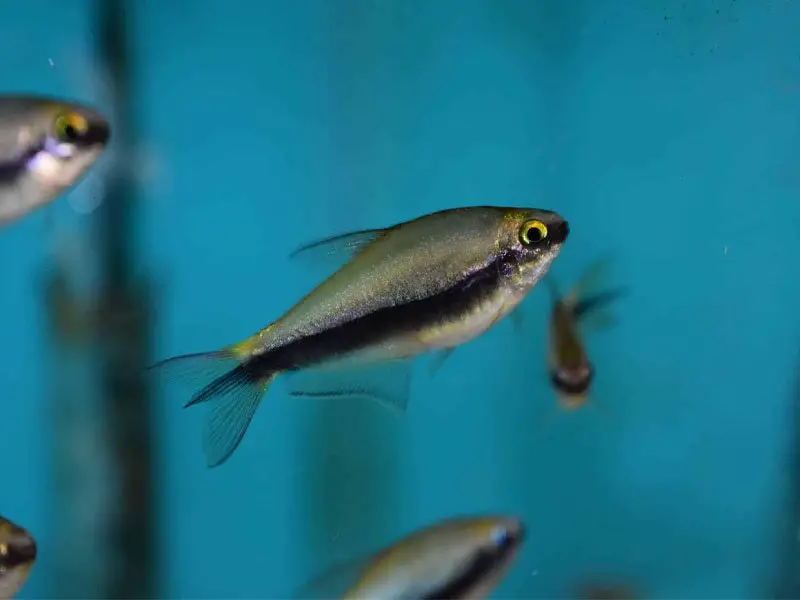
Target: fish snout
{"x": 560, "y": 232}
{"x": 98, "y": 134}
{"x": 516, "y": 532}
{"x": 510, "y": 535}
{"x": 19, "y": 550}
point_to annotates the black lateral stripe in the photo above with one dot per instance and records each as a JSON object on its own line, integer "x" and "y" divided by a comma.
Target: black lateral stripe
{"x": 483, "y": 564}
{"x": 10, "y": 170}
{"x": 18, "y": 555}
{"x": 383, "y": 323}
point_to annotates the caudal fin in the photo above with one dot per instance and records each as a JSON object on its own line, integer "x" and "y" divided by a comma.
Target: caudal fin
{"x": 221, "y": 379}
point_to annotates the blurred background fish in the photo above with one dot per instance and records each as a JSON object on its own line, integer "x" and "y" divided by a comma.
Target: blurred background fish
{"x": 570, "y": 370}
{"x": 17, "y": 555}
{"x": 599, "y": 590}
{"x": 432, "y": 283}
{"x": 462, "y": 557}
{"x": 46, "y": 145}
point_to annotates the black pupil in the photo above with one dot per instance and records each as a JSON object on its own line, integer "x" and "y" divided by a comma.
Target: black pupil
{"x": 70, "y": 132}
{"x": 534, "y": 234}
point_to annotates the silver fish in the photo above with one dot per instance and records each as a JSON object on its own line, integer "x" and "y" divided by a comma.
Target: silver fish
{"x": 462, "y": 557}
{"x": 46, "y": 146}
{"x": 424, "y": 285}
{"x": 17, "y": 555}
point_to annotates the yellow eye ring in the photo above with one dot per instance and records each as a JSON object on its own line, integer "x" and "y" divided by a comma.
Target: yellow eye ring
{"x": 532, "y": 232}
{"x": 70, "y": 127}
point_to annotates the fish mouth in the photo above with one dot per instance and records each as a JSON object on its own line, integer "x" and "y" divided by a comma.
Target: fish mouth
{"x": 99, "y": 134}
{"x": 513, "y": 538}
{"x": 559, "y": 232}
{"x": 19, "y": 553}
{"x": 517, "y": 533}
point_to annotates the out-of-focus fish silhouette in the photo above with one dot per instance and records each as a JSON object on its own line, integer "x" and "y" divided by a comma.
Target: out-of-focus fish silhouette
{"x": 17, "y": 555}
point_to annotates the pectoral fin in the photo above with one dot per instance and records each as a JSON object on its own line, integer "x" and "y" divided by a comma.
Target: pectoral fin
{"x": 439, "y": 359}
{"x": 587, "y": 310}
{"x": 518, "y": 319}
{"x": 597, "y": 272}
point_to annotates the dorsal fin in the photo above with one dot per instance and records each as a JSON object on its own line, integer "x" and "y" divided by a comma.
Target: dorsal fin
{"x": 336, "y": 250}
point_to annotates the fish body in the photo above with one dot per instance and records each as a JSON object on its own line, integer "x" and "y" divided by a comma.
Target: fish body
{"x": 571, "y": 372}
{"x": 429, "y": 284}
{"x": 17, "y": 555}
{"x": 432, "y": 283}
{"x": 463, "y": 557}
{"x": 46, "y": 146}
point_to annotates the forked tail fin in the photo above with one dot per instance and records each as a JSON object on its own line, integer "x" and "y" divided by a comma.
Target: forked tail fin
{"x": 234, "y": 390}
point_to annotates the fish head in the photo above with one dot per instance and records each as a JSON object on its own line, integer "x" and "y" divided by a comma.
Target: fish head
{"x": 533, "y": 238}
{"x": 46, "y": 146}
{"x": 498, "y": 540}
{"x": 572, "y": 385}
{"x": 17, "y": 555}
{"x": 503, "y": 535}
{"x": 70, "y": 138}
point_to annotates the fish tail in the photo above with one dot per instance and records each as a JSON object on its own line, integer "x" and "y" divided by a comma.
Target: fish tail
{"x": 234, "y": 389}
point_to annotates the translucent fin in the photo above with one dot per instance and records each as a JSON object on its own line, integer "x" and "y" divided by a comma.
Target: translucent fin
{"x": 589, "y": 304}
{"x": 199, "y": 369}
{"x": 229, "y": 419}
{"x": 598, "y": 320}
{"x": 336, "y": 250}
{"x": 518, "y": 318}
{"x": 601, "y": 409}
{"x": 49, "y": 224}
{"x": 335, "y": 581}
{"x": 545, "y": 423}
{"x": 592, "y": 277}
{"x": 552, "y": 287}
{"x": 388, "y": 383}
{"x": 219, "y": 377}
{"x": 439, "y": 359}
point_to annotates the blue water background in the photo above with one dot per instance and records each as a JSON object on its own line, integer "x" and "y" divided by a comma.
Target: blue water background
{"x": 667, "y": 133}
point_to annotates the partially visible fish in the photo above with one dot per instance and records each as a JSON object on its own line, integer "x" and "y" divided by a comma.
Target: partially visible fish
{"x": 433, "y": 283}
{"x": 46, "y": 146}
{"x": 17, "y": 555}
{"x": 462, "y": 557}
{"x": 607, "y": 591}
{"x": 571, "y": 372}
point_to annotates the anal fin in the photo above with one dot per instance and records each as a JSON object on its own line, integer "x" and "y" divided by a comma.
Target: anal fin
{"x": 388, "y": 383}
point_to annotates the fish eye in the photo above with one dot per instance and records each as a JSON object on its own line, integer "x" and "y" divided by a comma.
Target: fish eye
{"x": 532, "y": 232}
{"x": 500, "y": 537}
{"x": 70, "y": 127}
